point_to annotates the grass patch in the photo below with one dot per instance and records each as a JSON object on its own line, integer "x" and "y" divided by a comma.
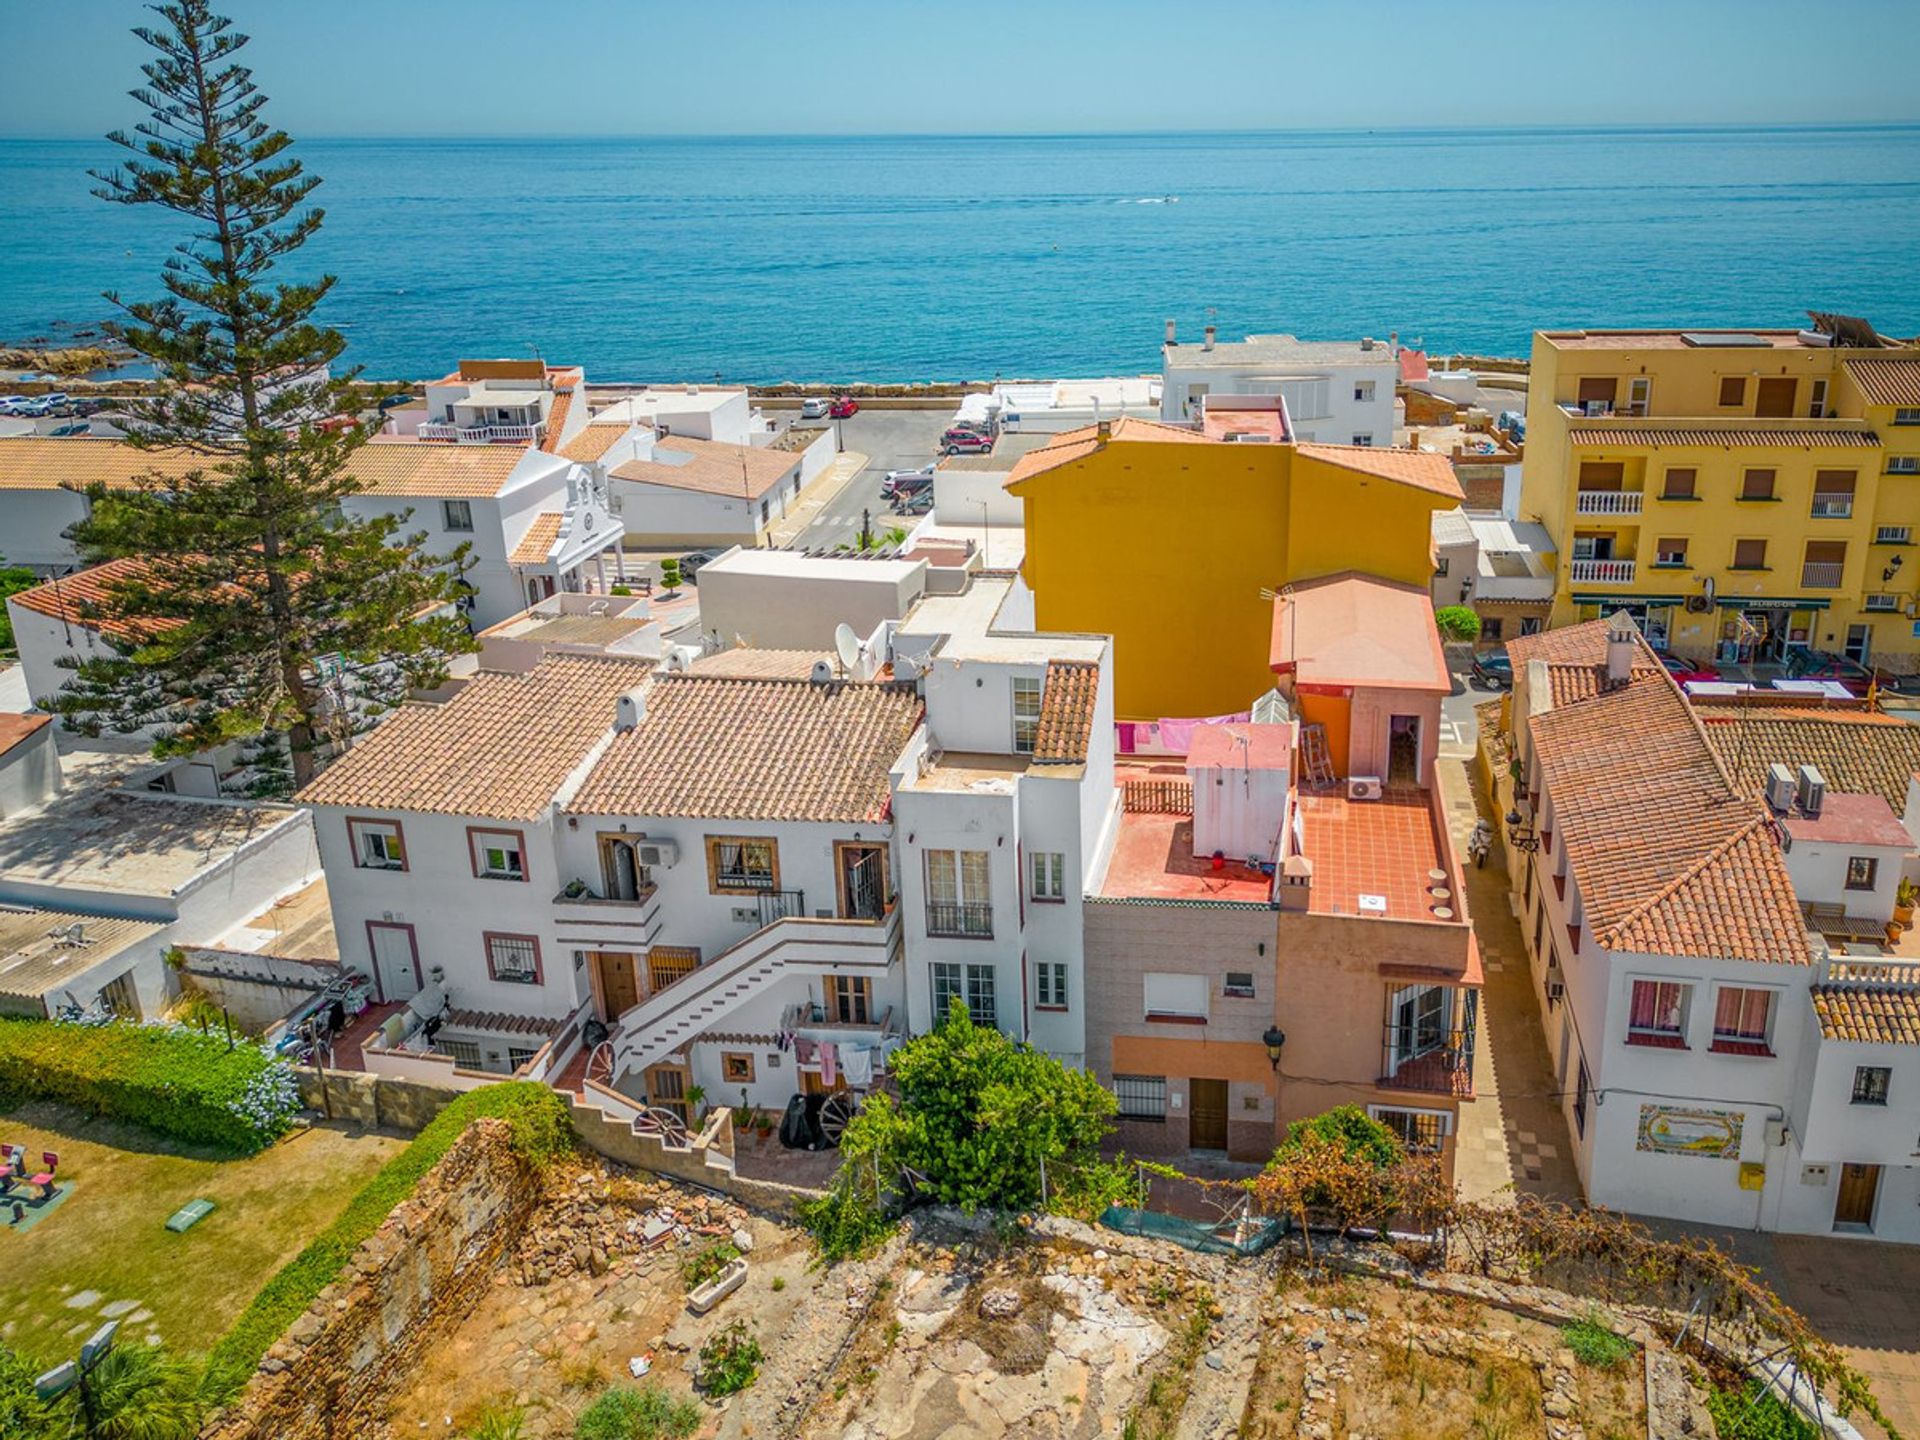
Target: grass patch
{"x": 637, "y": 1412}
{"x": 1756, "y": 1413}
{"x": 1594, "y": 1344}
{"x": 108, "y": 1235}
{"x": 542, "y": 1134}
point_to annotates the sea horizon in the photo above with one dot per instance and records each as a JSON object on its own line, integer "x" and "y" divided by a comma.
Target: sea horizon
{"x": 935, "y": 257}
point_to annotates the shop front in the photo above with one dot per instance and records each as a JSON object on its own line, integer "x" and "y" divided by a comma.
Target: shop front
{"x": 1763, "y": 630}
{"x": 1652, "y": 613}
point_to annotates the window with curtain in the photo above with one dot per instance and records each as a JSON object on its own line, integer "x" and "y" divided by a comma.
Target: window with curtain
{"x": 1742, "y": 1016}
{"x": 742, "y": 864}
{"x": 1659, "y": 1008}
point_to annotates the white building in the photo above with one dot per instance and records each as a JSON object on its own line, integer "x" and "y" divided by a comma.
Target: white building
{"x": 1337, "y": 391}
{"x": 1712, "y": 966}
{"x": 494, "y": 402}
{"x": 700, "y": 412}
{"x": 788, "y": 600}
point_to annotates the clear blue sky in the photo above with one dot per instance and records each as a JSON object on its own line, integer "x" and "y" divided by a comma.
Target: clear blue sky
{"x": 627, "y": 67}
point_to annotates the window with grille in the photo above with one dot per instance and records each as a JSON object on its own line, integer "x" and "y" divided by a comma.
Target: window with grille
{"x": 499, "y": 854}
{"x": 1862, "y": 871}
{"x": 1052, "y": 975}
{"x": 1423, "y": 1132}
{"x": 1141, "y": 1097}
{"x": 1903, "y": 464}
{"x": 1026, "y": 713}
{"x": 1871, "y": 1084}
{"x": 1049, "y": 870}
{"x": 1239, "y": 984}
{"x": 742, "y": 864}
{"x": 517, "y": 1057}
{"x": 514, "y": 958}
{"x": 464, "y": 1053}
{"x": 1893, "y": 535}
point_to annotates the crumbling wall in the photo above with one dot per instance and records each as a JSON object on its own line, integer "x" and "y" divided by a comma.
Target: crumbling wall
{"x": 380, "y": 1102}
{"x": 332, "y": 1375}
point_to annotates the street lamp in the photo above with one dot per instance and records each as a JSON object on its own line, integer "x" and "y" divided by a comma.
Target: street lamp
{"x": 1273, "y": 1040}
{"x": 1519, "y": 837}
{"x": 62, "y": 1378}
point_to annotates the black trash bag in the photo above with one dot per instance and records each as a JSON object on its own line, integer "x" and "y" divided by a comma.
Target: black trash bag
{"x": 794, "y": 1130}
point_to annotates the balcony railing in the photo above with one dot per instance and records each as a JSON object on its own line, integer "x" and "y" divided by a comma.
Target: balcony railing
{"x": 1821, "y": 575}
{"x": 781, "y": 905}
{"x": 1608, "y": 502}
{"x": 1602, "y": 572}
{"x": 1439, "y": 1063}
{"x": 1832, "y": 507}
{"x": 968, "y": 922}
{"x": 482, "y": 434}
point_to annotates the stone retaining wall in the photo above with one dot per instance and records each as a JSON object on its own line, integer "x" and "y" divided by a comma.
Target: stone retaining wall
{"x": 332, "y": 1375}
{"x": 380, "y": 1102}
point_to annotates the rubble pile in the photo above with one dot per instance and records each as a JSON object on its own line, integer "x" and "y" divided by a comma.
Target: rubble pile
{"x": 599, "y": 1215}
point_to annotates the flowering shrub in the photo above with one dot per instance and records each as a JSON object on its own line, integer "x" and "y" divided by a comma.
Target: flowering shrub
{"x": 164, "y": 1078}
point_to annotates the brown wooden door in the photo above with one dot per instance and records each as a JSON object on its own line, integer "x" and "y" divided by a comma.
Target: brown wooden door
{"x": 1858, "y": 1186}
{"x": 1207, "y": 1114}
{"x": 1774, "y": 396}
{"x": 619, "y": 983}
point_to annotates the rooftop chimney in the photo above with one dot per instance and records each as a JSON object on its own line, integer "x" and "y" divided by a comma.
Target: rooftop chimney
{"x": 1208, "y": 345}
{"x": 1393, "y": 342}
{"x": 629, "y": 710}
{"x": 1366, "y": 342}
{"x": 1169, "y": 330}
{"x": 1813, "y": 792}
{"x": 1103, "y": 430}
{"x": 1621, "y": 633}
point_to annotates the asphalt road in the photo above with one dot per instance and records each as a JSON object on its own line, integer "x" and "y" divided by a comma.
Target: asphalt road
{"x": 903, "y": 440}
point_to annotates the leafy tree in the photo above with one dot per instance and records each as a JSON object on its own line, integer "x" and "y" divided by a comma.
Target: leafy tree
{"x": 253, "y": 578}
{"x": 13, "y": 579}
{"x": 979, "y": 1120}
{"x": 670, "y": 574}
{"x": 1355, "y": 1134}
{"x": 142, "y": 1393}
{"x": 1458, "y": 623}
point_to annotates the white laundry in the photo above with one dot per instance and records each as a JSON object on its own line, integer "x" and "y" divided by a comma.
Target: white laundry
{"x": 857, "y": 1065}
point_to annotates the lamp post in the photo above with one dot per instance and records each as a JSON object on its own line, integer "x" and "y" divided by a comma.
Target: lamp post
{"x": 1519, "y": 836}
{"x": 1274, "y": 1039}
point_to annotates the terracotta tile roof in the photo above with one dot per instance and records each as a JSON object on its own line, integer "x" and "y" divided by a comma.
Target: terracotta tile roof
{"x": 1856, "y": 752}
{"x": 1584, "y": 644}
{"x": 1071, "y": 445}
{"x": 556, "y": 421}
{"x": 537, "y": 543}
{"x": 1868, "y": 1014}
{"x": 1572, "y": 684}
{"x": 593, "y": 442}
{"x": 1887, "y": 382}
{"x": 1658, "y": 435}
{"x": 77, "y": 598}
{"x": 498, "y": 1022}
{"x": 1670, "y": 856}
{"x": 712, "y": 468}
{"x": 746, "y": 663}
{"x": 15, "y": 728}
{"x": 1421, "y": 469}
{"x": 719, "y": 748}
{"x": 382, "y": 466}
{"x": 500, "y": 749}
{"x": 1355, "y": 629}
{"x": 1066, "y": 712}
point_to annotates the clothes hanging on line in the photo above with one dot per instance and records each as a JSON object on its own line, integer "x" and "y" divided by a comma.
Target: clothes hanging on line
{"x": 858, "y": 1064}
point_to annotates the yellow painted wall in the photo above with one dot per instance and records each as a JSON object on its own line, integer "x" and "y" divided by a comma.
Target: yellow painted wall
{"x": 1167, "y": 547}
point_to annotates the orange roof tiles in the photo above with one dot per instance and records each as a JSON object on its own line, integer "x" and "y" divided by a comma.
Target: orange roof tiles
{"x": 1071, "y": 445}
{"x": 537, "y": 543}
{"x": 1887, "y": 382}
{"x": 556, "y": 421}
{"x": 744, "y": 663}
{"x": 1680, "y": 436}
{"x": 1421, "y": 469}
{"x": 1570, "y": 684}
{"x": 1671, "y": 857}
{"x": 1856, "y": 752}
{"x": 381, "y": 466}
{"x": 1868, "y": 1014}
{"x": 499, "y": 749}
{"x": 717, "y": 748}
{"x": 711, "y": 467}
{"x": 1584, "y": 644}
{"x": 593, "y": 442}
{"x": 1066, "y": 712}
{"x": 1354, "y": 629}
{"x": 78, "y": 598}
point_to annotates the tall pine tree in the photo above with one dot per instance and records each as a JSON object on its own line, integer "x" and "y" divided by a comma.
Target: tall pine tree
{"x": 259, "y": 608}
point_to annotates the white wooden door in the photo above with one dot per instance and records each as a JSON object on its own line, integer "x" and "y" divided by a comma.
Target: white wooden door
{"x": 396, "y": 964}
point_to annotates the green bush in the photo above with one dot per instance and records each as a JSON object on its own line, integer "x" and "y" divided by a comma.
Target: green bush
{"x": 542, "y": 1134}
{"x": 1756, "y": 1413}
{"x": 1358, "y": 1134}
{"x": 637, "y": 1412}
{"x": 729, "y": 1361}
{"x": 1594, "y": 1344}
{"x": 1458, "y": 623}
{"x": 164, "y": 1078}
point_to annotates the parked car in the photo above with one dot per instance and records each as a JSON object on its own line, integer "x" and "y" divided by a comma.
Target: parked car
{"x": 966, "y": 442}
{"x": 1684, "y": 670}
{"x": 914, "y": 502}
{"x": 895, "y": 478}
{"x": 691, "y": 562}
{"x": 1493, "y": 670}
{"x": 56, "y": 400}
{"x": 11, "y": 404}
{"x": 72, "y": 427}
{"x": 1821, "y": 665}
{"x": 843, "y": 406}
{"x": 91, "y": 405}
{"x": 813, "y": 408}
{"x": 1897, "y": 684}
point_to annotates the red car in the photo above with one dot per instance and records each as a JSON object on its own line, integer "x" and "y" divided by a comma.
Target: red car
{"x": 1684, "y": 670}
{"x": 842, "y": 407}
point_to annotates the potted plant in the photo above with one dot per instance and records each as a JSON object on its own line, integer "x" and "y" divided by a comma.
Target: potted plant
{"x": 575, "y": 889}
{"x": 1903, "y": 903}
{"x": 763, "y": 1123}
{"x": 697, "y": 1104}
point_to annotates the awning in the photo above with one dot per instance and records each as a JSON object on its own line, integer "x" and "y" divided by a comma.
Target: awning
{"x": 1773, "y": 602}
{"x": 1618, "y": 600}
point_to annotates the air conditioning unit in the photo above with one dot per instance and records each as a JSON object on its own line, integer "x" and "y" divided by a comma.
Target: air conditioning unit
{"x": 1363, "y": 787}
{"x": 662, "y": 853}
{"x": 1556, "y": 990}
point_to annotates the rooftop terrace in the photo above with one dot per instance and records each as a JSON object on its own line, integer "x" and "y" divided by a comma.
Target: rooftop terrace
{"x": 1378, "y": 858}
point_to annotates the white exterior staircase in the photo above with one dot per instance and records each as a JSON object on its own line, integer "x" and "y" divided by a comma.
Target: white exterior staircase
{"x": 674, "y": 1016}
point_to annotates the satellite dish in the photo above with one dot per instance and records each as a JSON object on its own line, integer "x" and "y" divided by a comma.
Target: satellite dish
{"x": 846, "y": 645}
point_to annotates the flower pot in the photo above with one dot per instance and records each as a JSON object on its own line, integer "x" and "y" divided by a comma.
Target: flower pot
{"x": 703, "y": 1298}
{"x": 1903, "y": 916}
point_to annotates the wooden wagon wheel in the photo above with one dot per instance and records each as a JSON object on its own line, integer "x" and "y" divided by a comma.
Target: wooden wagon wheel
{"x": 600, "y": 1063}
{"x": 835, "y": 1114}
{"x": 664, "y": 1123}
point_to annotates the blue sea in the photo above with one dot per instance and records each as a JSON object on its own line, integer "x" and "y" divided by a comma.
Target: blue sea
{"x": 902, "y": 259}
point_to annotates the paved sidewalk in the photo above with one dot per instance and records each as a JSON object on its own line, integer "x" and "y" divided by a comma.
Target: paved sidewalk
{"x": 820, "y": 492}
{"x": 1513, "y": 1138}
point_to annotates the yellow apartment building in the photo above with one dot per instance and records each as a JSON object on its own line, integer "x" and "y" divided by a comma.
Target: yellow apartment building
{"x": 1175, "y": 541}
{"x": 1740, "y": 493}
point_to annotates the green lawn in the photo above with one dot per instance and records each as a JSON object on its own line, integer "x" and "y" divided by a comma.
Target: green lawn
{"x": 109, "y": 1236}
